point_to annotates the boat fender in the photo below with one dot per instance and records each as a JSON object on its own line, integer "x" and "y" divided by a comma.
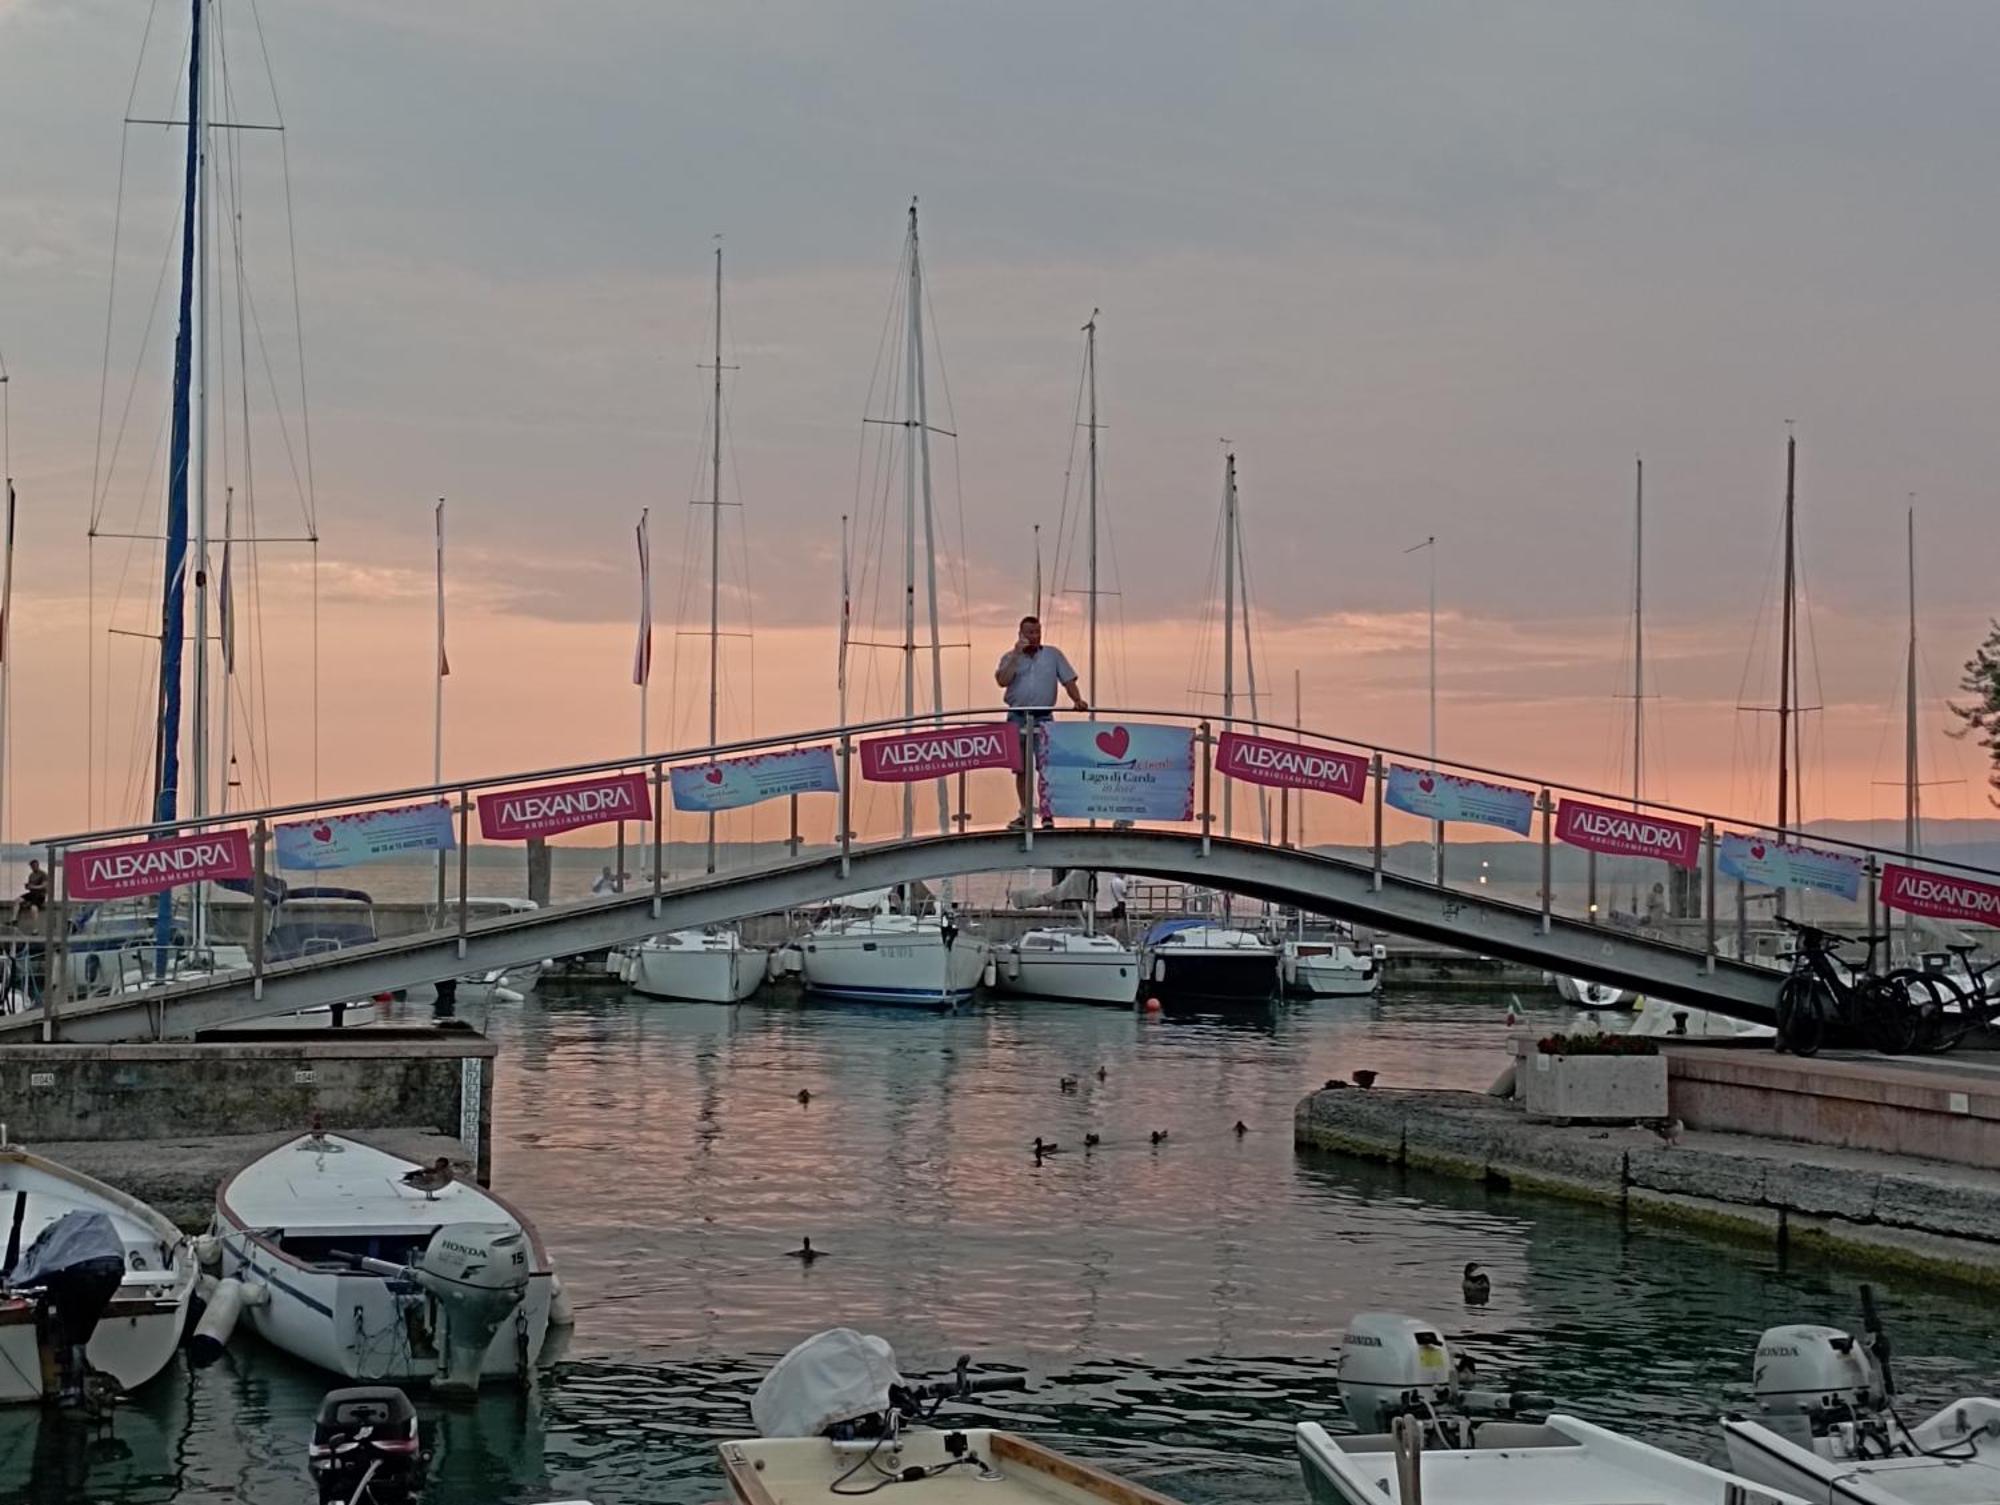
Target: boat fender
{"x": 211, "y": 1334}
{"x": 562, "y": 1310}
{"x": 1503, "y": 1084}
{"x": 207, "y": 1251}
{"x": 991, "y": 974}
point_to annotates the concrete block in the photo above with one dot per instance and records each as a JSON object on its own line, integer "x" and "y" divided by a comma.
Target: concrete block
{"x": 1934, "y": 1204}
{"x": 1733, "y": 1219}
{"x": 1966, "y": 1260}
{"x": 1822, "y": 1190}
{"x": 1594, "y": 1089}
{"x": 1699, "y": 1173}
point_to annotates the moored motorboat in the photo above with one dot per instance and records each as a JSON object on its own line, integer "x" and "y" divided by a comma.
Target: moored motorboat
{"x": 141, "y": 1303}
{"x": 1328, "y": 967}
{"x": 1069, "y": 963}
{"x": 835, "y": 1419}
{"x": 380, "y": 1269}
{"x": 1681, "y": 1021}
{"x": 1427, "y": 1435}
{"x": 701, "y": 966}
{"x": 1196, "y": 961}
{"x": 1586, "y": 994}
{"x": 887, "y": 956}
{"x": 1826, "y": 1427}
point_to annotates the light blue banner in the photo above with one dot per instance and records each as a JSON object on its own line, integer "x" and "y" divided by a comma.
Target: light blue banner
{"x": 1443, "y": 796}
{"x": 367, "y": 836}
{"x": 732, "y": 783}
{"x": 1772, "y": 864}
{"x": 1116, "y": 770}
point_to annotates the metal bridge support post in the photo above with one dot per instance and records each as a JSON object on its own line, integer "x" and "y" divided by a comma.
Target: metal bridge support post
{"x": 962, "y": 820}
{"x": 1380, "y": 775}
{"x": 1034, "y": 788}
{"x": 846, "y": 802}
{"x": 1590, "y": 884}
{"x": 1207, "y": 784}
{"x": 1874, "y": 893}
{"x": 55, "y": 964}
{"x": 1709, "y": 844}
{"x": 660, "y": 834}
{"x": 259, "y": 840}
{"x": 792, "y": 841}
{"x": 1285, "y": 817}
{"x": 1548, "y": 810}
{"x": 464, "y": 859}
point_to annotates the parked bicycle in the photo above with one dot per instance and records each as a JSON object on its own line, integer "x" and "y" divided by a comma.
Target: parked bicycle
{"x": 1951, "y": 1006}
{"x": 1824, "y": 993}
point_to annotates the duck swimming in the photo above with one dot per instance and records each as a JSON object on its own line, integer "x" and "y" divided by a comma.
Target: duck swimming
{"x": 1477, "y": 1285}
{"x": 1159, "y": 1136}
{"x": 1045, "y": 1147}
{"x": 805, "y": 1253}
{"x": 1092, "y": 1141}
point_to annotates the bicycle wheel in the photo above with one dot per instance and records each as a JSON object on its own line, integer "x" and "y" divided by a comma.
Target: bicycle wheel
{"x": 1941, "y": 1004}
{"x": 1889, "y": 1016}
{"x": 1801, "y": 1018}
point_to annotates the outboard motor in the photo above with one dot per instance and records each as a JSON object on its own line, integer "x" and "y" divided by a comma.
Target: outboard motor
{"x": 366, "y": 1449}
{"x": 1392, "y": 1365}
{"x": 477, "y": 1273}
{"x": 76, "y": 1263}
{"x": 1813, "y": 1381}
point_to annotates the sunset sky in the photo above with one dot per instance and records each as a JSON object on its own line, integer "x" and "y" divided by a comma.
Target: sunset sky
{"x": 1434, "y": 270}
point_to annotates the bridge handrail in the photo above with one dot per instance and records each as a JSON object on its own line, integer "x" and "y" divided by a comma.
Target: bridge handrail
{"x": 929, "y": 719}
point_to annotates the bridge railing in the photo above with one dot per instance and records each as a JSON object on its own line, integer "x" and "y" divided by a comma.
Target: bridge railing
{"x": 281, "y": 881}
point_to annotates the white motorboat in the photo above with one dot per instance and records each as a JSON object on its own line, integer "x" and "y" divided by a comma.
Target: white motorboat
{"x": 379, "y": 1269}
{"x": 1586, "y": 994}
{"x": 1427, "y": 1436}
{"x": 1196, "y": 961}
{"x": 1328, "y": 968}
{"x": 702, "y": 966}
{"x": 1826, "y": 1426}
{"x": 1069, "y": 963}
{"x": 887, "y": 956}
{"x": 141, "y": 1301}
{"x": 834, "y": 1419}
{"x": 1680, "y": 1021}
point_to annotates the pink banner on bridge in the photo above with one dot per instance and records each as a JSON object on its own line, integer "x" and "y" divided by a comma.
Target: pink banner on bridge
{"x": 548, "y": 809}
{"x": 1626, "y": 833}
{"x": 908, "y": 756}
{"x": 1293, "y": 765}
{"x": 1944, "y": 896}
{"x": 148, "y": 867}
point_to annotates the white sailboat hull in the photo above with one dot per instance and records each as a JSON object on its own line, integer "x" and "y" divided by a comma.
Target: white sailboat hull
{"x": 712, "y": 974}
{"x": 141, "y": 1329}
{"x": 905, "y": 966}
{"x": 1069, "y": 964}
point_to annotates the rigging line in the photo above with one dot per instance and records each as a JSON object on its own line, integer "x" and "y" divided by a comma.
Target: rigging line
{"x": 100, "y": 497}
{"x": 961, "y": 566}
{"x": 299, "y": 483}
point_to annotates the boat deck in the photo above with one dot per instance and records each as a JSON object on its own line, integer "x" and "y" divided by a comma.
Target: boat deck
{"x": 338, "y": 1185}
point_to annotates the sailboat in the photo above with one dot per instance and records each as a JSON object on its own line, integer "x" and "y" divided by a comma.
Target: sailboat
{"x": 912, "y": 955}
{"x": 1075, "y": 963}
{"x": 1194, "y": 960}
{"x": 712, "y": 965}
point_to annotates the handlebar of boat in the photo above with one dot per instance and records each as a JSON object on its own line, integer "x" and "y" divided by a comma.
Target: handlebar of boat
{"x": 960, "y": 1385}
{"x": 1506, "y": 1402}
{"x": 371, "y": 1265}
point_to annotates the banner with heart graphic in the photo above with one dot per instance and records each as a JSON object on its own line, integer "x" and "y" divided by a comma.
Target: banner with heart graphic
{"x": 1944, "y": 896}
{"x": 546, "y": 809}
{"x": 1444, "y": 796}
{"x": 730, "y": 783}
{"x": 1627, "y": 833}
{"x": 147, "y": 867}
{"x": 1291, "y": 765}
{"x": 365, "y": 836}
{"x": 1772, "y": 864}
{"x": 1125, "y": 770}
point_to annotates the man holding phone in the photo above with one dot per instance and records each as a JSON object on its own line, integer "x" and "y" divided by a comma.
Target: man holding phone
{"x": 1030, "y": 674}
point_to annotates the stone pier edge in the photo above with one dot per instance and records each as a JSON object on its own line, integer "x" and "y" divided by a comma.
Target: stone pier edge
{"x": 1924, "y": 1220}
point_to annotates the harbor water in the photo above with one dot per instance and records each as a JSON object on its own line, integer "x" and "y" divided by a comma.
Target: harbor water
{"x": 1173, "y": 1307}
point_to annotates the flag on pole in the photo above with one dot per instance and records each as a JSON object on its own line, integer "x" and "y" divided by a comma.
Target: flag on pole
{"x": 228, "y": 597}
{"x": 642, "y": 654}
{"x": 444, "y": 662}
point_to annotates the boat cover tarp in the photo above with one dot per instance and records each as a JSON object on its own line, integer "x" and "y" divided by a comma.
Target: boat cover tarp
{"x": 73, "y": 1239}
{"x": 1164, "y": 928}
{"x": 832, "y": 1377}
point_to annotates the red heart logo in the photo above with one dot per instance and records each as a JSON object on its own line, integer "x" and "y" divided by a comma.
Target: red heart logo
{"x": 322, "y": 832}
{"x": 1427, "y": 783}
{"x": 1114, "y": 742}
{"x": 1757, "y": 851}
{"x": 714, "y": 776}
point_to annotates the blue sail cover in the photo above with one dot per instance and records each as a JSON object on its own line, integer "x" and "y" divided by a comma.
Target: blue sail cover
{"x": 173, "y": 598}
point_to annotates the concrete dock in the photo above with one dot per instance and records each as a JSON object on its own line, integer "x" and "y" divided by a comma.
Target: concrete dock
{"x": 1872, "y": 1206}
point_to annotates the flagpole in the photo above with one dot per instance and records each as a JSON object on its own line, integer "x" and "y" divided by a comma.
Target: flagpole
{"x": 440, "y": 667}
{"x": 642, "y": 657}
{"x": 6, "y": 648}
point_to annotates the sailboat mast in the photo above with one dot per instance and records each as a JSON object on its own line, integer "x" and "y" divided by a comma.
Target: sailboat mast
{"x": 199, "y": 737}
{"x": 1912, "y": 789}
{"x": 840, "y": 670}
{"x": 1785, "y": 650}
{"x": 923, "y": 437}
{"x": 715, "y": 544}
{"x": 1299, "y": 720}
{"x": 1228, "y": 618}
{"x": 912, "y": 321}
{"x": 1090, "y": 367}
{"x": 1036, "y": 608}
{"x": 173, "y": 598}
{"x": 1638, "y": 629}
{"x": 1250, "y": 676}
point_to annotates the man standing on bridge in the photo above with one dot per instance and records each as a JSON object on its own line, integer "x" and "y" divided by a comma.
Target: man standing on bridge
{"x": 1029, "y": 674}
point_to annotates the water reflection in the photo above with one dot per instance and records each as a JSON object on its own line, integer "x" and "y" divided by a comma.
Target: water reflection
{"x": 1175, "y": 1305}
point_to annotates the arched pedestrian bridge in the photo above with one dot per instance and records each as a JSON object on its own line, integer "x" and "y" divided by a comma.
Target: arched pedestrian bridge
{"x": 1563, "y": 937}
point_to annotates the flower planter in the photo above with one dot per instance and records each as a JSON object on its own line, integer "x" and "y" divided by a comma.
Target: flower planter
{"x": 1593, "y": 1088}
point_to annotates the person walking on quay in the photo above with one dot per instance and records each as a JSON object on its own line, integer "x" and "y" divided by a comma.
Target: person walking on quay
{"x": 1029, "y": 673}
